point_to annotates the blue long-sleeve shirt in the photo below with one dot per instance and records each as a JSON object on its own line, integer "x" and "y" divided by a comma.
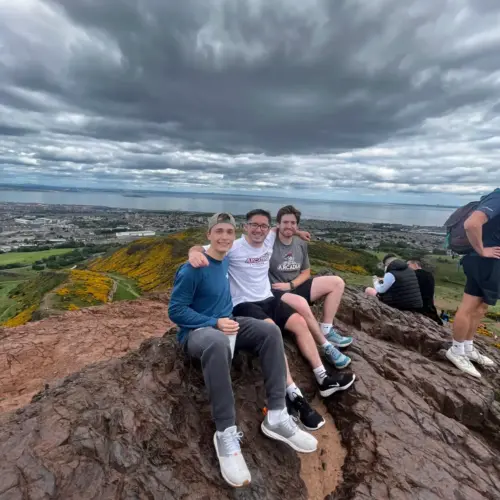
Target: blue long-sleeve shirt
{"x": 200, "y": 296}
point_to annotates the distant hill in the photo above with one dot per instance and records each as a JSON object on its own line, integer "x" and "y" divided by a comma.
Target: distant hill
{"x": 153, "y": 261}
{"x": 28, "y": 296}
{"x": 145, "y": 265}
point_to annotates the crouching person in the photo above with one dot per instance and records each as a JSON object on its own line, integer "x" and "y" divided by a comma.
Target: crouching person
{"x": 201, "y": 306}
{"x": 399, "y": 287}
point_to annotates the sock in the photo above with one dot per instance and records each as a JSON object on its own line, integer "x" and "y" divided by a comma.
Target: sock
{"x": 275, "y": 416}
{"x": 320, "y": 373}
{"x": 325, "y": 345}
{"x": 457, "y": 348}
{"x": 468, "y": 345}
{"x": 293, "y": 391}
{"x": 325, "y": 328}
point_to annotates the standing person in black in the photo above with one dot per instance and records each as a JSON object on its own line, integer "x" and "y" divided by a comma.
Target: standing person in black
{"x": 427, "y": 286}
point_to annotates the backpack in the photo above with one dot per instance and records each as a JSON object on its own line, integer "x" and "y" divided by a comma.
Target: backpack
{"x": 456, "y": 237}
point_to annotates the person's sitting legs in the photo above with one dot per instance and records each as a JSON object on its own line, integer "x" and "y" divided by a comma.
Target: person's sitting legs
{"x": 300, "y": 305}
{"x": 212, "y": 347}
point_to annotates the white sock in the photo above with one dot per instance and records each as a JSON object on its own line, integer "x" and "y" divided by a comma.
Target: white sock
{"x": 275, "y": 416}
{"x": 468, "y": 345}
{"x": 458, "y": 348}
{"x": 325, "y": 328}
{"x": 320, "y": 373}
{"x": 293, "y": 391}
{"x": 325, "y": 345}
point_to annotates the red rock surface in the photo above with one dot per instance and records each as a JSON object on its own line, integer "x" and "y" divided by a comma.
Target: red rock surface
{"x": 37, "y": 353}
{"x": 138, "y": 427}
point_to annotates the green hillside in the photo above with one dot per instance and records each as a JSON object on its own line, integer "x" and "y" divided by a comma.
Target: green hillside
{"x": 21, "y": 301}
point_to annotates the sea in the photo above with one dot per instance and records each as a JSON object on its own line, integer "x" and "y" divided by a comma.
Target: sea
{"x": 352, "y": 211}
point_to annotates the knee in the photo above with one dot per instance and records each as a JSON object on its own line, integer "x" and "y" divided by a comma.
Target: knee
{"x": 272, "y": 333}
{"x": 219, "y": 345}
{"x": 297, "y": 325}
{"x": 302, "y": 307}
{"x": 338, "y": 284}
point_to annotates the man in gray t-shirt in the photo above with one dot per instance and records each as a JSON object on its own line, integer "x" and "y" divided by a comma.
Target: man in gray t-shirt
{"x": 288, "y": 261}
{"x": 290, "y": 276}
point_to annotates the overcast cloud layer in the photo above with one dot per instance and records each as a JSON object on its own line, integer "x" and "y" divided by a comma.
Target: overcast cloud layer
{"x": 346, "y": 98}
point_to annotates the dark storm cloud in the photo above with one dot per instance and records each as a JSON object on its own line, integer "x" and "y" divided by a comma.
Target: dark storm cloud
{"x": 347, "y": 94}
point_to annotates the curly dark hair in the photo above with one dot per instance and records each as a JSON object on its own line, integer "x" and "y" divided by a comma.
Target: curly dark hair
{"x": 288, "y": 210}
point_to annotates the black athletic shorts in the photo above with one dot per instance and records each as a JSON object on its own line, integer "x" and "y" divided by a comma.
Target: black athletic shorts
{"x": 303, "y": 290}
{"x": 272, "y": 308}
{"x": 483, "y": 278}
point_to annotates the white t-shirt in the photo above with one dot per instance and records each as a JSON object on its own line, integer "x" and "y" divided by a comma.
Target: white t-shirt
{"x": 249, "y": 270}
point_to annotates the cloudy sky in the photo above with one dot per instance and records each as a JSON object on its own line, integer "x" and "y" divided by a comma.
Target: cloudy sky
{"x": 344, "y": 99}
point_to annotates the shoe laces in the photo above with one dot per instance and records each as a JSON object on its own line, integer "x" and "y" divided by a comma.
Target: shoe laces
{"x": 231, "y": 440}
{"x": 334, "y": 334}
{"x": 290, "y": 423}
{"x": 333, "y": 351}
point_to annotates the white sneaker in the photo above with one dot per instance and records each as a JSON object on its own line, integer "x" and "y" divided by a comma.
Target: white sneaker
{"x": 479, "y": 358}
{"x": 232, "y": 464}
{"x": 462, "y": 363}
{"x": 290, "y": 433}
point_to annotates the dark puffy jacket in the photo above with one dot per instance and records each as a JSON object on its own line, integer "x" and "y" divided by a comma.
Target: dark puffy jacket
{"x": 404, "y": 294}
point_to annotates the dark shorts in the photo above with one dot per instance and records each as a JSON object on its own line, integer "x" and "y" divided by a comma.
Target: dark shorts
{"x": 271, "y": 308}
{"x": 483, "y": 278}
{"x": 303, "y": 290}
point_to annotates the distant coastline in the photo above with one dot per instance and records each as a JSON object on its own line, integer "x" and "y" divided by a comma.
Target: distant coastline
{"x": 137, "y": 193}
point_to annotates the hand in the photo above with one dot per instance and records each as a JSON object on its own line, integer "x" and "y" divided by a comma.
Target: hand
{"x": 491, "y": 253}
{"x": 198, "y": 259}
{"x": 282, "y": 287}
{"x": 228, "y": 326}
{"x": 304, "y": 235}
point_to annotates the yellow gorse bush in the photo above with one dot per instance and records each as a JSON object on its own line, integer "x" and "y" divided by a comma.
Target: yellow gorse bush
{"x": 152, "y": 262}
{"x": 89, "y": 287}
{"x": 21, "y": 318}
{"x": 351, "y": 269}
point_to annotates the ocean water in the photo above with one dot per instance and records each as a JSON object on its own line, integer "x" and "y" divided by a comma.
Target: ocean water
{"x": 421, "y": 215}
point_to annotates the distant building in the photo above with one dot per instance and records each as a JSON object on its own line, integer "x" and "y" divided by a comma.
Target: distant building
{"x": 135, "y": 234}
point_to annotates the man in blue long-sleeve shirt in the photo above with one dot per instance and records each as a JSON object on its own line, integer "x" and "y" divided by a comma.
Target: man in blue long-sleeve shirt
{"x": 201, "y": 306}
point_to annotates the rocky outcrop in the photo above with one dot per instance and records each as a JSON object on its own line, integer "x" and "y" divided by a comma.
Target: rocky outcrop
{"x": 139, "y": 426}
{"x": 34, "y": 354}
{"x": 415, "y": 427}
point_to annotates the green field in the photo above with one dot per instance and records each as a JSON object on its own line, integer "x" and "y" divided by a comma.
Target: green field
{"x": 29, "y": 258}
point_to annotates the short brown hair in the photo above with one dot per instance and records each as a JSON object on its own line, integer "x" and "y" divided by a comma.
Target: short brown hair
{"x": 288, "y": 210}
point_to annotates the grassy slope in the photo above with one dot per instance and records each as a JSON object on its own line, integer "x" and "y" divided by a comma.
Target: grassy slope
{"x": 151, "y": 262}
{"x": 30, "y": 257}
{"x": 27, "y": 295}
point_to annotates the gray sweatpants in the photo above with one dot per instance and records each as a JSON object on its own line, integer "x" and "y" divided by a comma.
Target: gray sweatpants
{"x": 211, "y": 346}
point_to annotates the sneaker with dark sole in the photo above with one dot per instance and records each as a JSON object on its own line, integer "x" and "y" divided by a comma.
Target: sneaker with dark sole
{"x": 334, "y": 383}
{"x": 308, "y": 416}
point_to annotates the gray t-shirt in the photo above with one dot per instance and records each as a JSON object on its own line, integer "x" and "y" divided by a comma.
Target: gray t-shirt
{"x": 288, "y": 261}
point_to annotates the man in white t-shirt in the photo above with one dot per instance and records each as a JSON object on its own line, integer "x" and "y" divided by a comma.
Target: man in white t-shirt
{"x": 252, "y": 296}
